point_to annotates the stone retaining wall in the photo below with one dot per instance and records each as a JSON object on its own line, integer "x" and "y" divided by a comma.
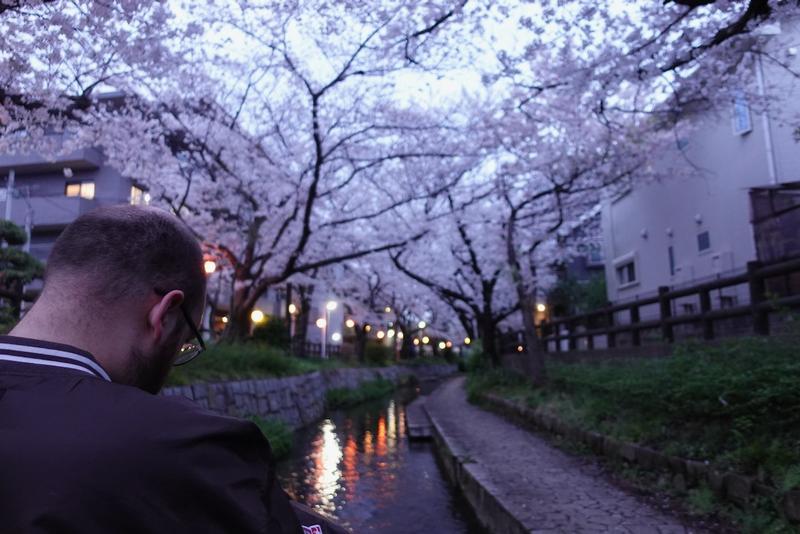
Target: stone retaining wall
{"x": 736, "y": 488}
{"x": 295, "y": 400}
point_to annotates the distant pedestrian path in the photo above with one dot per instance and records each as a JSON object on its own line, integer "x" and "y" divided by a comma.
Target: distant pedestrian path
{"x": 546, "y": 490}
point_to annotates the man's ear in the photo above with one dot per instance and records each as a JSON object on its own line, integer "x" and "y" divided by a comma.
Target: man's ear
{"x": 158, "y": 315}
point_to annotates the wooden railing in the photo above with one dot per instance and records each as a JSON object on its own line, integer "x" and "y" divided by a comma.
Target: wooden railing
{"x": 625, "y": 318}
{"x": 307, "y": 349}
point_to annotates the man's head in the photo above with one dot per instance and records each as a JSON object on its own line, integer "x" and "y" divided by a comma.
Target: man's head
{"x": 118, "y": 277}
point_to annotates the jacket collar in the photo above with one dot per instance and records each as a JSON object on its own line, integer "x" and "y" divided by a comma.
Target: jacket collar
{"x": 46, "y": 353}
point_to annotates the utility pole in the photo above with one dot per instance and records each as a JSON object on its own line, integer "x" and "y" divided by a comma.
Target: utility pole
{"x": 9, "y": 193}
{"x": 28, "y": 220}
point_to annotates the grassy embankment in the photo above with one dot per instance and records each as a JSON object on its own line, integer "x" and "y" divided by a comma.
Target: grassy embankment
{"x": 236, "y": 362}
{"x": 736, "y": 406}
{"x": 344, "y": 397}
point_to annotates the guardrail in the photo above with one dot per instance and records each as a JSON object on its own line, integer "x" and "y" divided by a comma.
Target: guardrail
{"x": 625, "y": 318}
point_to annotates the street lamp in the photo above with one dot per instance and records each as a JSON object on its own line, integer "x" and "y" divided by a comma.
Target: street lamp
{"x": 422, "y": 324}
{"x": 292, "y": 309}
{"x": 426, "y": 340}
{"x": 381, "y": 334}
{"x": 210, "y": 266}
{"x": 467, "y": 341}
{"x": 329, "y": 307}
{"x": 349, "y": 323}
{"x": 322, "y": 324}
{"x": 257, "y": 316}
{"x": 541, "y": 308}
{"x": 388, "y": 309}
{"x": 336, "y": 336}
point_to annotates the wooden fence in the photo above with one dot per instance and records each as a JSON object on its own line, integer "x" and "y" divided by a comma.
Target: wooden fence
{"x": 308, "y": 349}
{"x": 770, "y": 288}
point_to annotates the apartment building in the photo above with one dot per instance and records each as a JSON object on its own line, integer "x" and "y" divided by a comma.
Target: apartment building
{"x": 43, "y": 195}
{"x": 728, "y": 196}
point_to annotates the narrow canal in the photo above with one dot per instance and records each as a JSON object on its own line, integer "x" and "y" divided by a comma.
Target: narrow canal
{"x": 358, "y": 466}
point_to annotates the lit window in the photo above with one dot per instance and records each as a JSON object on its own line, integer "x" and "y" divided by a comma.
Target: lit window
{"x": 626, "y": 273}
{"x": 703, "y": 241}
{"x": 81, "y": 189}
{"x": 139, "y": 197}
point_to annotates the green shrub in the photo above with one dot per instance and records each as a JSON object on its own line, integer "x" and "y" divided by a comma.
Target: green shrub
{"x": 274, "y": 332}
{"x": 377, "y": 354}
{"x": 374, "y": 389}
{"x": 278, "y": 433}
{"x": 476, "y": 360}
{"x": 238, "y": 361}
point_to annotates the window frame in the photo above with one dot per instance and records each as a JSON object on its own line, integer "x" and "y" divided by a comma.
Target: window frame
{"x": 631, "y": 259}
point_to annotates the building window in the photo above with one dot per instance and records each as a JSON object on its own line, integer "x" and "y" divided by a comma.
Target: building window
{"x": 80, "y": 189}
{"x": 139, "y": 197}
{"x": 626, "y": 273}
{"x": 740, "y": 114}
{"x": 671, "y": 254}
{"x": 703, "y": 241}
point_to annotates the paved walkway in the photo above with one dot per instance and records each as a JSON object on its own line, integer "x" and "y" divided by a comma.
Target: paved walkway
{"x": 544, "y": 488}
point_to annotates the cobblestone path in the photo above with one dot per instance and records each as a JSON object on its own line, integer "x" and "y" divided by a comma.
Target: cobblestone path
{"x": 543, "y": 487}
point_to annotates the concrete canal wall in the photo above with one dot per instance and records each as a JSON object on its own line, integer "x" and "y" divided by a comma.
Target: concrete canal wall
{"x": 295, "y": 400}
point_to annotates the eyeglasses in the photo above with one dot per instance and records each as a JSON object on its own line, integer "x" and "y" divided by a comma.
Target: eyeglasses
{"x": 189, "y": 350}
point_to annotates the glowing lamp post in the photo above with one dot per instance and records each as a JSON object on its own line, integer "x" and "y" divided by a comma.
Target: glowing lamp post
{"x": 292, "y": 312}
{"x": 329, "y": 307}
{"x": 322, "y": 324}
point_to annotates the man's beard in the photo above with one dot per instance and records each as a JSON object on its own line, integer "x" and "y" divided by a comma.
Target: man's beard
{"x": 148, "y": 373}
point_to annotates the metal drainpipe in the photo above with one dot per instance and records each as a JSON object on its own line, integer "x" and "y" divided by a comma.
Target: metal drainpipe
{"x": 10, "y": 193}
{"x": 765, "y": 124}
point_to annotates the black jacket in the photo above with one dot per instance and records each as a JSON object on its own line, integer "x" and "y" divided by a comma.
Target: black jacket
{"x": 81, "y": 454}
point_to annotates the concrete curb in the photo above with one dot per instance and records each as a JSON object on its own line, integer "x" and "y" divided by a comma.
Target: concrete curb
{"x": 738, "y": 489}
{"x": 475, "y": 485}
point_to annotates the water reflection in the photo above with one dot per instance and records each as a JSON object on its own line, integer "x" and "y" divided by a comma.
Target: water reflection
{"x": 326, "y": 476}
{"x": 359, "y": 467}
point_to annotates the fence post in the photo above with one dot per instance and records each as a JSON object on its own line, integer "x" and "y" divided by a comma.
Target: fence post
{"x": 665, "y": 312}
{"x": 757, "y": 296}
{"x": 705, "y": 309}
{"x": 636, "y": 335}
{"x": 611, "y": 337}
{"x": 557, "y": 333}
{"x": 589, "y": 336}
{"x": 573, "y": 335}
{"x": 544, "y": 328}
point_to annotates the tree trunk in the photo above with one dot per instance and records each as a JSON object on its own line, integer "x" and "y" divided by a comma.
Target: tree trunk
{"x": 535, "y": 355}
{"x": 407, "y": 346}
{"x": 488, "y": 336}
{"x": 238, "y": 328}
{"x": 361, "y": 343}
{"x": 534, "y": 362}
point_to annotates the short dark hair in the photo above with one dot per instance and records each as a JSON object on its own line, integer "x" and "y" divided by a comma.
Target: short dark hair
{"x": 126, "y": 250}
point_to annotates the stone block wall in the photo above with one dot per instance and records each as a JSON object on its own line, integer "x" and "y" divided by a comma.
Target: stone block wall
{"x": 295, "y": 400}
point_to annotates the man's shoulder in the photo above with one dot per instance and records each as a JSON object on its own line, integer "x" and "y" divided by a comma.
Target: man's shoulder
{"x": 125, "y": 420}
{"x": 175, "y": 416}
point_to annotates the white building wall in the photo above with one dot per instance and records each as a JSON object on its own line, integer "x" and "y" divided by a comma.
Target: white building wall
{"x": 705, "y": 188}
